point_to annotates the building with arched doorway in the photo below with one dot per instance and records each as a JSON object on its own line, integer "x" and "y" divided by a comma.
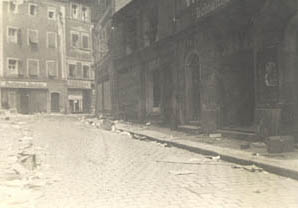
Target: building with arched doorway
{"x": 228, "y": 66}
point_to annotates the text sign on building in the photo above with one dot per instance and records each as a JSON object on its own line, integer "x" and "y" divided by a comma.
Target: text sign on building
{"x": 20, "y": 84}
{"x": 79, "y": 84}
{"x": 205, "y": 7}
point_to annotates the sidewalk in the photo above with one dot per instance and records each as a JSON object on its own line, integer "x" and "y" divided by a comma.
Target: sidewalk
{"x": 285, "y": 164}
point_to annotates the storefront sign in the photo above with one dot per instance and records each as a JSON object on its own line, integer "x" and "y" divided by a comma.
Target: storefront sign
{"x": 20, "y": 84}
{"x": 79, "y": 84}
{"x": 207, "y": 6}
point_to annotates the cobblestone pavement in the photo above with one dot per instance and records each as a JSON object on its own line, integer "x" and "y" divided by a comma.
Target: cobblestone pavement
{"x": 104, "y": 169}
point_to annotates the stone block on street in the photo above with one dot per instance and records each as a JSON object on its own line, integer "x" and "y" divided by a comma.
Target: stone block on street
{"x": 280, "y": 144}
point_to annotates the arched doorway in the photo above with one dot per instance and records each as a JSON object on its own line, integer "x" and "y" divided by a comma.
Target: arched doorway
{"x": 55, "y": 97}
{"x": 192, "y": 88}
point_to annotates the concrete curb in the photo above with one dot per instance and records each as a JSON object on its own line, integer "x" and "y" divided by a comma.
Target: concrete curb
{"x": 229, "y": 155}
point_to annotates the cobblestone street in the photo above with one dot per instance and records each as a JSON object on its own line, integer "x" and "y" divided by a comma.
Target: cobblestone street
{"x": 96, "y": 168}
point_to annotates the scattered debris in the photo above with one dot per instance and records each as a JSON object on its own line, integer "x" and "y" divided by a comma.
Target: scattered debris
{"x": 185, "y": 172}
{"x": 250, "y": 168}
{"x": 215, "y": 135}
{"x": 244, "y": 146}
{"x": 258, "y": 145}
{"x": 256, "y": 154}
{"x": 214, "y": 157}
{"x": 124, "y": 133}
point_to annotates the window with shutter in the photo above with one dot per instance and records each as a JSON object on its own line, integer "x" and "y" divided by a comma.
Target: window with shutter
{"x": 33, "y": 67}
{"x": 21, "y": 69}
{"x": 86, "y": 71}
{"x": 32, "y": 37}
{"x": 79, "y": 70}
{"x": 52, "y": 68}
{"x": 72, "y": 70}
{"x": 75, "y": 40}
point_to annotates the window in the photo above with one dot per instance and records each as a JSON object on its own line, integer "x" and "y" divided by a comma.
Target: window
{"x": 12, "y": 35}
{"x": 33, "y": 67}
{"x": 32, "y": 9}
{"x": 75, "y": 39}
{"x": 72, "y": 70}
{"x": 51, "y": 13}
{"x": 86, "y": 72}
{"x": 52, "y": 40}
{"x": 85, "y": 41}
{"x": 85, "y": 14}
{"x": 32, "y": 37}
{"x": 75, "y": 11}
{"x": 52, "y": 68}
{"x": 12, "y": 7}
{"x": 12, "y": 66}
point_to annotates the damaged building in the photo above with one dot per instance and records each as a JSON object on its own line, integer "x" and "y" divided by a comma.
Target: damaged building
{"x": 224, "y": 65}
{"x": 45, "y": 56}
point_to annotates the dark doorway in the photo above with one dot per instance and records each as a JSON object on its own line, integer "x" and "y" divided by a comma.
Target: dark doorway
{"x": 238, "y": 92}
{"x": 55, "y": 98}
{"x": 24, "y": 102}
{"x": 192, "y": 87}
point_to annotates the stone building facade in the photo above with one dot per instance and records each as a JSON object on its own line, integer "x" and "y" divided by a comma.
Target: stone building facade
{"x": 34, "y": 56}
{"x": 219, "y": 64}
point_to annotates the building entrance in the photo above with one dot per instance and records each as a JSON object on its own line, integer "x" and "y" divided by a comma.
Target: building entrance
{"x": 237, "y": 91}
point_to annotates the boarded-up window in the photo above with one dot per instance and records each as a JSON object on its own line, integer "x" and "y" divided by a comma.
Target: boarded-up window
{"x": 33, "y": 37}
{"x": 52, "y": 40}
{"x": 52, "y": 68}
{"x": 12, "y": 68}
{"x": 85, "y": 40}
{"x": 33, "y": 67}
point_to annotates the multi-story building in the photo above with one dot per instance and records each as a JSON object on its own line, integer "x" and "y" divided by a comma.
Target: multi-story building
{"x": 106, "y": 85}
{"x": 79, "y": 57}
{"x": 35, "y": 54}
{"x": 225, "y": 65}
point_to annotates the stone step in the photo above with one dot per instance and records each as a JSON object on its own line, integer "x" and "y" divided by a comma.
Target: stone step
{"x": 236, "y": 134}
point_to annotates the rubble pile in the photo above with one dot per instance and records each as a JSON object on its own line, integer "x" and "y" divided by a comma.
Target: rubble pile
{"x": 21, "y": 178}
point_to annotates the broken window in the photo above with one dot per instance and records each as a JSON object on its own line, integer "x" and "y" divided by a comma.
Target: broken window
{"x": 52, "y": 13}
{"x": 52, "y": 40}
{"x": 75, "y": 40}
{"x": 32, "y": 9}
{"x": 85, "y": 14}
{"x": 85, "y": 41}
{"x": 75, "y": 11}
{"x": 12, "y": 35}
{"x": 33, "y": 67}
{"x": 86, "y": 71}
{"x": 52, "y": 68}
{"x": 72, "y": 70}
{"x": 12, "y": 68}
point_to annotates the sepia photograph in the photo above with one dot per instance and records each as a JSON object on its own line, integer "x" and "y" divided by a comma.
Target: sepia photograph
{"x": 148, "y": 103}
